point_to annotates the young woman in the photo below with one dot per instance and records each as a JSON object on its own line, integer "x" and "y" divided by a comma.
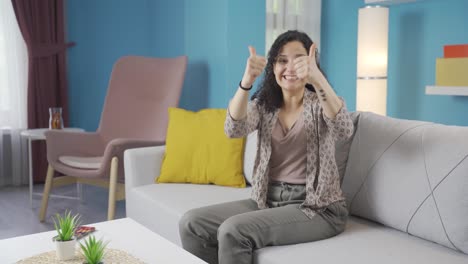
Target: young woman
{"x": 296, "y": 193}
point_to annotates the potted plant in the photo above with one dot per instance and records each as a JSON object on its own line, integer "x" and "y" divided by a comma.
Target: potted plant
{"x": 65, "y": 240}
{"x": 93, "y": 250}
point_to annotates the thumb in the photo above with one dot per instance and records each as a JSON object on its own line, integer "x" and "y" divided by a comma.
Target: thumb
{"x": 313, "y": 47}
{"x": 252, "y": 51}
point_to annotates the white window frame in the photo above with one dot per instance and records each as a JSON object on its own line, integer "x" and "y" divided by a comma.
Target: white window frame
{"x": 13, "y": 71}
{"x": 283, "y": 15}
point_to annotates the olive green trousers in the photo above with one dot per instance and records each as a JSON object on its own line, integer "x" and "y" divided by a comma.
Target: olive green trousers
{"x": 230, "y": 232}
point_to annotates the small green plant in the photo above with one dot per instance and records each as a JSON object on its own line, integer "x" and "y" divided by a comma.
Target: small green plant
{"x": 66, "y": 225}
{"x": 93, "y": 250}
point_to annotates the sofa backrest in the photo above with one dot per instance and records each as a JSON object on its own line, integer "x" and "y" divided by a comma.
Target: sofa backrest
{"x": 412, "y": 176}
{"x": 250, "y": 153}
{"x": 342, "y": 147}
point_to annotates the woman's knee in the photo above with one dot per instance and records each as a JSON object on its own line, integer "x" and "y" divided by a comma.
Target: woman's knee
{"x": 235, "y": 242}
{"x": 190, "y": 221}
{"x": 231, "y": 230}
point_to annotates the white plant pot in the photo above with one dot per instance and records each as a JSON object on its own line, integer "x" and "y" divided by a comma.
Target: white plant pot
{"x": 65, "y": 249}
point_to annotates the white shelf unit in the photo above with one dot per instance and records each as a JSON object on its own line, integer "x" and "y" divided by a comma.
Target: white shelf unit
{"x": 447, "y": 90}
{"x": 388, "y": 2}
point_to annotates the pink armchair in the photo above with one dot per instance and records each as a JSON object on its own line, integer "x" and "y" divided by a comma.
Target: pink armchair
{"x": 134, "y": 115}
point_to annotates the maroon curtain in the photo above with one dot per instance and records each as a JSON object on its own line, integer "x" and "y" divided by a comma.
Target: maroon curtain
{"x": 42, "y": 26}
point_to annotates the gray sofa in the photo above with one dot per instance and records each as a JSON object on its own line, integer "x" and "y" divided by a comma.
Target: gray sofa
{"x": 406, "y": 184}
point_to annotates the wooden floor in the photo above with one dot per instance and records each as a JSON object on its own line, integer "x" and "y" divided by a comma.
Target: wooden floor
{"x": 18, "y": 218}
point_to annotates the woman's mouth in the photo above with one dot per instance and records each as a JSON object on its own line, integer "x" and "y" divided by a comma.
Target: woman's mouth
{"x": 290, "y": 77}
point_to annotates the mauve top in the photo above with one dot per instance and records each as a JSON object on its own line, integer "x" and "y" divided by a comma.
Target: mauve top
{"x": 288, "y": 153}
{"x": 322, "y": 178}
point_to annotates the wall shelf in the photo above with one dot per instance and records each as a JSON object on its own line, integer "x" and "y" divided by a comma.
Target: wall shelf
{"x": 447, "y": 90}
{"x": 388, "y": 2}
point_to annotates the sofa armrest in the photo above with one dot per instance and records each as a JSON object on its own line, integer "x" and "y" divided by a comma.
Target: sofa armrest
{"x": 142, "y": 165}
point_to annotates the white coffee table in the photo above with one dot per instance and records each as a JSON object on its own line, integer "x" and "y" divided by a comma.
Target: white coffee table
{"x": 124, "y": 234}
{"x": 39, "y": 134}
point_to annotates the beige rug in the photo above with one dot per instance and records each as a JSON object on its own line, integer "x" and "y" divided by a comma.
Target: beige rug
{"x": 111, "y": 256}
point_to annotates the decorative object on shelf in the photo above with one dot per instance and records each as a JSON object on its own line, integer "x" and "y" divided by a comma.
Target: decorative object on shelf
{"x": 65, "y": 240}
{"x": 456, "y": 51}
{"x": 55, "y": 118}
{"x": 93, "y": 250}
{"x": 451, "y": 72}
{"x": 371, "y": 86}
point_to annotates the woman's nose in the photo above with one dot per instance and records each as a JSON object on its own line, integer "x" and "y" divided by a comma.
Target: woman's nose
{"x": 290, "y": 66}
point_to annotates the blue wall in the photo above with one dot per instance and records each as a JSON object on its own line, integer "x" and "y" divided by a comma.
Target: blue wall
{"x": 168, "y": 28}
{"x": 103, "y": 31}
{"x": 417, "y": 36}
{"x": 246, "y": 26}
{"x": 205, "y": 44}
{"x": 214, "y": 34}
{"x": 418, "y": 31}
{"x": 339, "y": 46}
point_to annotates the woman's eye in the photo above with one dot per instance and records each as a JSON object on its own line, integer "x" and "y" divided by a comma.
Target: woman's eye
{"x": 282, "y": 61}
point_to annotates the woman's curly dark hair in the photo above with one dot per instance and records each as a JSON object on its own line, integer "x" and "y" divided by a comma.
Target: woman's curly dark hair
{"x": 269, "y": 94}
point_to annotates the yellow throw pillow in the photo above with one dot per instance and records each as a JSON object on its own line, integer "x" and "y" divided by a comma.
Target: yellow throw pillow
{"x": 198, "y": 151}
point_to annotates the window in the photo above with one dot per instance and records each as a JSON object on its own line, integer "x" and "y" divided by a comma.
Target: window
{"x": 283, "y": 15}
{"x": 13, "y": 70}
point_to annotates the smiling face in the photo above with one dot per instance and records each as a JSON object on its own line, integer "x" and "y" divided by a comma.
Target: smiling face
{"x": 284, "y": 71}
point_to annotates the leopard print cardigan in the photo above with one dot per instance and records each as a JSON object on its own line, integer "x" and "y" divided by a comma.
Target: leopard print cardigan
{"x": 322, "y": 178}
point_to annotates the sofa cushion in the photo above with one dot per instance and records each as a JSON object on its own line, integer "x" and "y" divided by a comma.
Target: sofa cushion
{"x": 362, "y": 242}
{"x": 160, "y": 206}
{"x": 250, "y": 155}
{"x": 411, "y": 176}
{"x": 198, "y": 151}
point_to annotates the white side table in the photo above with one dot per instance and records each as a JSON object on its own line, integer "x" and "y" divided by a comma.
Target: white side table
{"x": 38, "y": 134}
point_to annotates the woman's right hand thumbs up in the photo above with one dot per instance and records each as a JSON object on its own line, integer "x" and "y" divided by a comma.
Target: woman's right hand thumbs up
{"x": 254, "y": 67}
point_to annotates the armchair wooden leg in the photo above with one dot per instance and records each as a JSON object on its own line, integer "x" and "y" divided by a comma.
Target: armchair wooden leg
{"x": 45, "y": 195}
{"x": 112, "y": 188}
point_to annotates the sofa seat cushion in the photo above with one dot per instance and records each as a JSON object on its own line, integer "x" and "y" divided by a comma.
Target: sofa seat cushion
{"x": 363, "y": 242}
{"x": 160, "y": 206}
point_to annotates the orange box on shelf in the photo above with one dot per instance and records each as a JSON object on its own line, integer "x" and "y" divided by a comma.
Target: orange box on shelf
{"x": 456, "y": 51}
{"x": 452, "y": 71}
